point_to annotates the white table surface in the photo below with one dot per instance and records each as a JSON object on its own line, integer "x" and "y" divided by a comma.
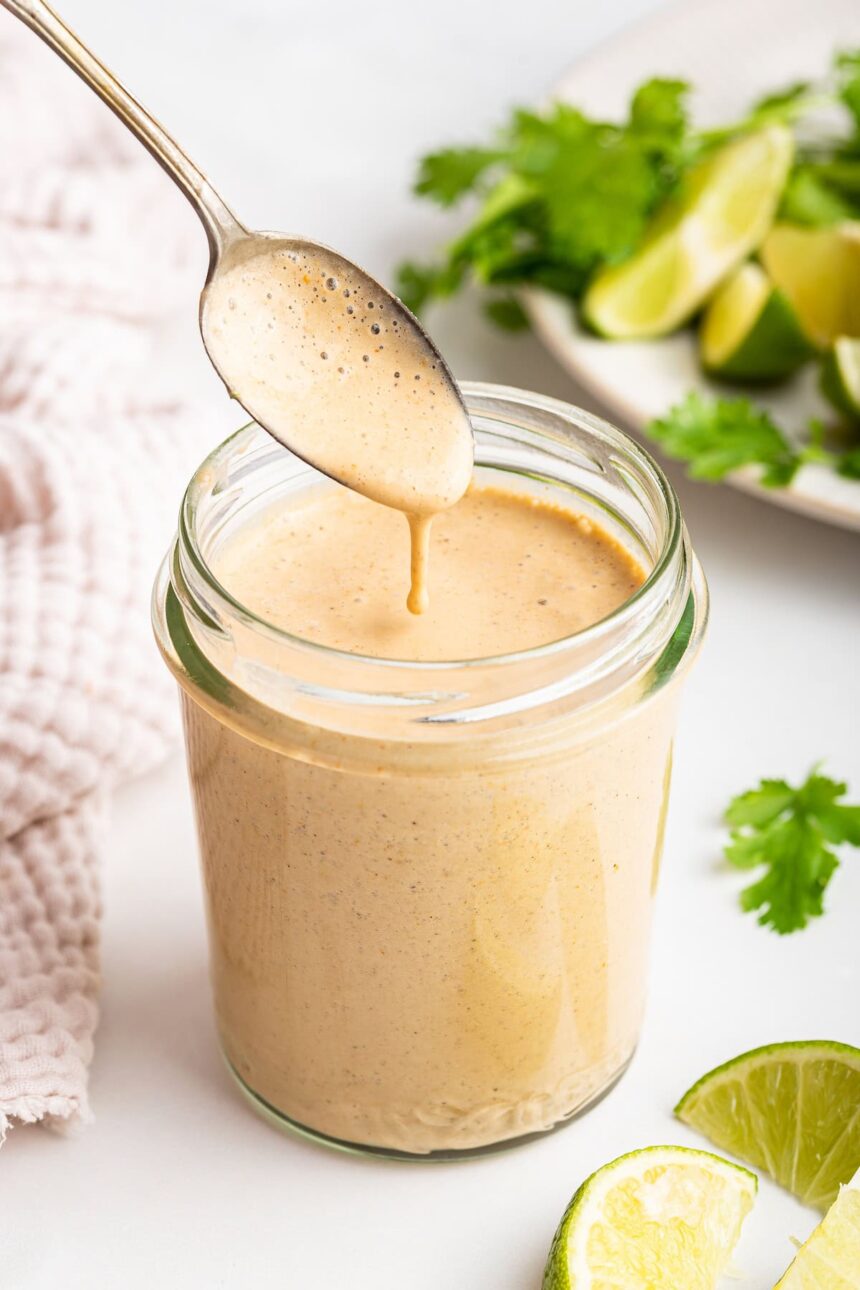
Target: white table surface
{"x": 309, "y": 116}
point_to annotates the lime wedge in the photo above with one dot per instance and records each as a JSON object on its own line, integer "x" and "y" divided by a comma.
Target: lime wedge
{"x": 662, "y": 1217}
{"x": 818, "y": 270}
{"x": 723, "y": 211}
{"x": 830, "y": 1259}
{"x": 839, "y": 381}
{"x": 792, "y": 1110}
{"x": 749, "y": 332}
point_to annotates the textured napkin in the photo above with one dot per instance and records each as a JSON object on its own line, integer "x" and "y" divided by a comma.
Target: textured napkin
{"x": 97, "y": 252}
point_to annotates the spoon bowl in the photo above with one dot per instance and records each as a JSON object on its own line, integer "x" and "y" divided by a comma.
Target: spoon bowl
{"x": 343, "y": 375}
{"x": 337, "y": 369}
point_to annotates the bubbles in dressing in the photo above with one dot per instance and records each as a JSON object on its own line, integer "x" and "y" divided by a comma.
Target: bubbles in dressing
{"x": 334, "y": 369}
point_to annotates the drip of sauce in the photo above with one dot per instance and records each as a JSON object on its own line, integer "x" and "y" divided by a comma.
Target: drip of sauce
{"x": 418, "y": 600}
{"x": 339, "y": 374}
{"x": 510, "y": 572}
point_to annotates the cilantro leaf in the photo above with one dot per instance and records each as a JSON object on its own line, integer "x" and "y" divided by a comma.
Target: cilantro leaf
{"x": 595, "y": 184}
{"x": 658, "y": 115}
{"x": 759, "y": 806}
{"x": 789, "y": 833}
{"x": 810, "y": 199}
{"x": 841, "y": 171}
{"x": 824, "y": 185}
{"x": 782, "y": 103}
{"x": 448, "y": 175}
{"x": 849, "y": 464}
{"x": 847, "y": 68}
{"x": 717, "y": 436}
{"x": 782, "y": 107}
{"x": 416, "y": 284}
{"x": 598, "y": 197}
{"x": 506, "y": 312}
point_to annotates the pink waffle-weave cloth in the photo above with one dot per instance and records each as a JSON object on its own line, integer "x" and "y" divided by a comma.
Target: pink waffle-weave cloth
{"x": 99, "y": 257}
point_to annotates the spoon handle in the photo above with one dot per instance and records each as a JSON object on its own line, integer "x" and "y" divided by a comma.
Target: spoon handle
{"x": 219, "y": 221}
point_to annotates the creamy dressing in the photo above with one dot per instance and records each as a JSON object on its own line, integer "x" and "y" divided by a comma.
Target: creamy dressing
{"x": 334, "y": 368}
{"x": 407, "y": 960}
{"x": 428, "y": 962}
{"x": 509, "y": 572}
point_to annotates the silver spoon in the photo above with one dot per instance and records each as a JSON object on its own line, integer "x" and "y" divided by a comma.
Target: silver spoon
{"x": 318, "y": 352}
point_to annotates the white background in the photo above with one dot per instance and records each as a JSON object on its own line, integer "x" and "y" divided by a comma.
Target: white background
{"x": 309, "y": 117}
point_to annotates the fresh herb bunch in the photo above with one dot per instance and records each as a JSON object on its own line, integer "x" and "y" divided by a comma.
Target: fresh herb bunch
{"x": 824, "y": 186}
{"x": 716, "y": 436}
{"x": 562, "y": 194}
{"x": 790, "y": 833}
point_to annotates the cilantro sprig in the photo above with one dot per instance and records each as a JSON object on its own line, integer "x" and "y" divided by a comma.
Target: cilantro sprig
{"x": 824, "y": 186}
{"x": 789, "y": 834}
{"x": 715, "y": 436}
{"x": 560, "y": 194}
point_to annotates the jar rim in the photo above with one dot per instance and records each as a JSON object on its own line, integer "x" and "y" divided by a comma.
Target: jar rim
{"x": 479, "y": 397}
{"x": 218, "y": 648}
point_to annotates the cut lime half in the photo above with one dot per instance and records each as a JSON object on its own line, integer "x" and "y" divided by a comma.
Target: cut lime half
{"x": 749, "y": 331}
{"x": 840, "y": 377}
{"x": 830, "y": 1259}
{"x": 662, "y": 1217}
{"x": 722, "y": 213}
{"x": 792, "y": 1110}
{"x": 818, "y": 270}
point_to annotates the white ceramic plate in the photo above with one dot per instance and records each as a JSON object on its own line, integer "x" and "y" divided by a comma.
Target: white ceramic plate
{"x": 731, "y": 51}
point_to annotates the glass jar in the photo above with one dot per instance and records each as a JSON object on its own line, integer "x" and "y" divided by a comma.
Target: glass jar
{"x": 429, "y": 885}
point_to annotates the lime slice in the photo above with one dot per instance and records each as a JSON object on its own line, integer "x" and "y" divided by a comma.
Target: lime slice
{"x": 663, "y": 1217}
{"x": 749, "y": 332}
{"x": 830, "y": 1259}
{"x": 840, "y": 377}
{"x": 818, "y": 270}
{"x": 723, "y": 211}
{"x": 792, "y": 1110}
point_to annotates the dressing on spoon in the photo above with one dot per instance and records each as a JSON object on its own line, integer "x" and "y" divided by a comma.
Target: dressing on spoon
{"x": 334, "y": 367}
{"x": 316, "y": 350}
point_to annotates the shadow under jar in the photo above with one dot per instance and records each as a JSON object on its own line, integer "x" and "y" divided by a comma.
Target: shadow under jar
{"x": 429, "y": 885}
